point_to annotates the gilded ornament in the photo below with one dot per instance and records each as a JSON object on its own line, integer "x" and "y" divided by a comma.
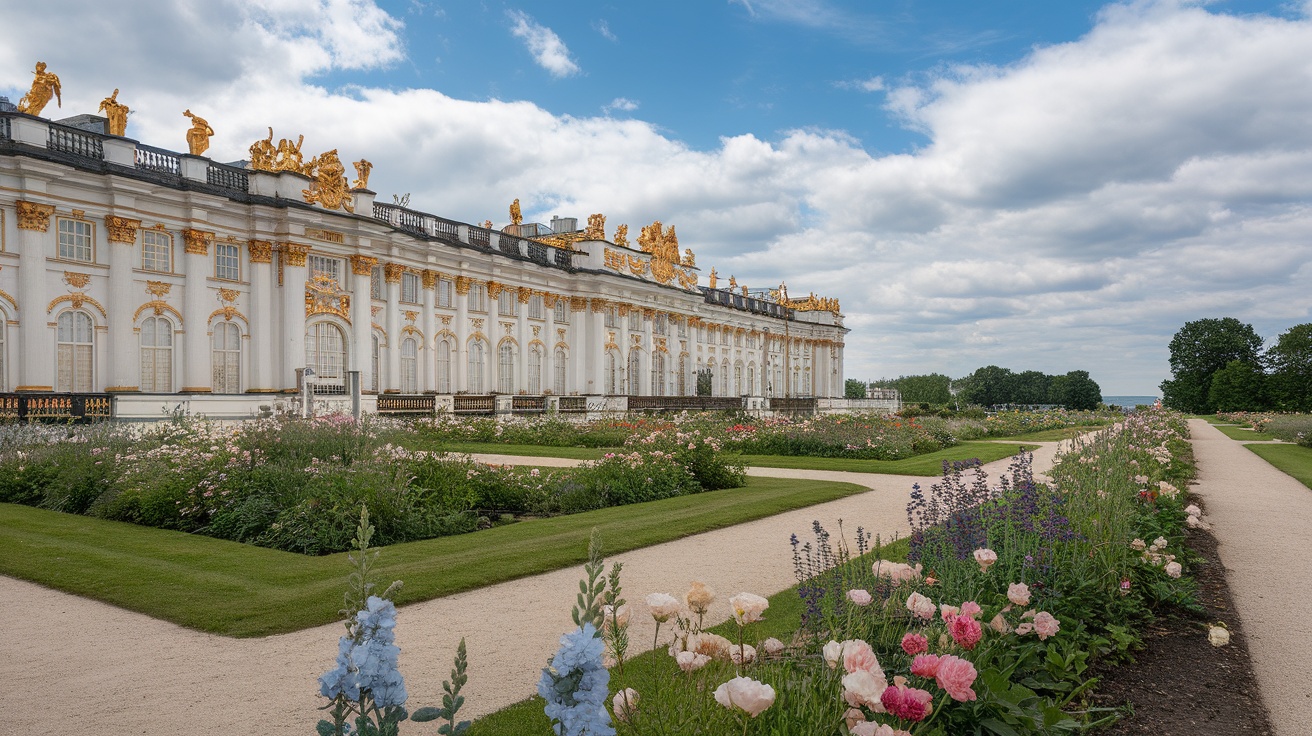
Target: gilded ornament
{"x": 324, "y": 296}
{"x": 33, "y": 216}
{"x": 116, "y": 114}
{"x": 637, "y": 266}
{"x": 487, "y": 224}
{"x": 157, "y": 307}
{"x": 294, "y": 254}
{"x": 493, "y": 289}
{"x": 363, "y": 265}
{"x": 577, "y": 304}
{"x": 523, "y": 295}
{"x": 392, "y": 272}
{"x": 375, "y": 311}
{"x": 622, "y": 235}
{"x": 263, "y": 154}
{"x": 712, "y": 279}
{"x": 330, "y": 188}
{"x": 44, "y": 86}
{"x": 362, "y": 169}
{"x": 596, "y": 229}
{"x": 614, "y": 259}
{"x": 76, "y": 280}
{"x": 622, "y": 309}
{"x": 689, "y": 258}
{"x": 121, "y": 229}
{"x": 744, "y": 289}
{"x": 228, "y": 295}
{"x": 462, "y": 285}
{"x": 429, "y": 278}
{"x": 158, "y": 289}
{"x": 599, "y": 305}
{"x": 198, "y": 136}
{"x": 537, "y": 330}
{"x": 516, "y": 216}
{"x": 410, "y": 316}
{"x": 197, "y": 242}
{"x": 446, "y": 319}
{"x": 288, "y": 156}
{"x": 261, "y": 251}
{"x": 549, "y": 299}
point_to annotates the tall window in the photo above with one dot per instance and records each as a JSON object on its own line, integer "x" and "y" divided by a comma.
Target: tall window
{"x": 612, "y": 317}
{"x": 612, "y": 373}
{"x": 156, "y": 251}
{"x": 535, "y": 370}
{"x": 507, "y": 304}
{"x": 325, "y": 353}
{"x": 737, "y": 339}
{"x": 562, "y": 312}
{"x": 806, "y": 381}
{"x": 409, "y": 366}
{"x": 635, "y": 366}
{"x": 751, "y": 379}
{"x": 325, "y": 266}
{"x": 376, "y": 283}
{"x": 724, "y": 378}
{"x": 75, "y": 240}
{"x": 156, "y": 355}
{"x": 443, "y": 367}
{"x": 225, "y": 358}
{"x": 376, "y": 363}
{"x": 3, "y": 319}
{"x": 683, "y": 326}
{"x": 227, "y": 262}
{"x": 477, "y": 362}
{"x": 658, "y": 324}
{"x": 535, "y": 306}
{"x": 410, "y": 286}
{"x": 477, "y": 298}
{"x": 738, "y": 377}
{"x": 682, "y": 379}
{"x": 658, "y": 374}
{"x": 444, "y": 291}
{"x": 75, "y": 352}
{"x": 635, "y": 320}
{"x": 506, "y": 368}
{"x": 558, "y": 373}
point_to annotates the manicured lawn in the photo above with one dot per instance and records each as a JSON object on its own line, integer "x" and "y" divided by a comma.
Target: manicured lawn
{"x": 1049, "y": 435}
{"x": 1242, "y": 434}
{"x": 240, "y": 590}
{"x": 929, "y": 464}
{"x": 494, "y": 448}
{"x": 1292, "y": 460}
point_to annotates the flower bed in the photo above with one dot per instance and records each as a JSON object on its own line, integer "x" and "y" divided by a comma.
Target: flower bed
{"x": 1295, "y": 428}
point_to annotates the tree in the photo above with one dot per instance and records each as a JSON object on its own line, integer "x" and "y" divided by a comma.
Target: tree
{"x": 989, "y": 386}
{"x": 1031, "y": 387}
{"x": 1198, "y": 351}
{"x": 854, "y": 389}
{"x": 932, "y": 388}
{"x": 1290, "y": 363}
{"x": 1239, "y": 386}
{"x": 1076, "y": 390}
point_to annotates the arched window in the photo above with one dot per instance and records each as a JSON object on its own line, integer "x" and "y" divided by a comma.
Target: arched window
{"x": 225, "y": 359}
{"x": 797, "y": 380}
{"x": 325, "y": 353}
{"x": 635, "y": 366}
{"x": 477, "y": 363}
{"x": 443, "y": 366}
{"x": 658, "y": 374}
{"x": 376, "y": 363}
{"x": 506, "y": 368}
{"x": 613, "y": 378}
{"x": 409, "y": 366}
{"x": 724, "y": 378}
{"x": 535, "y": 370}
{"x": 75, "y": 353}
{"x": 558, "y": 373}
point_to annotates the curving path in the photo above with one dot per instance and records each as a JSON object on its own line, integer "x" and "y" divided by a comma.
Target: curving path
{"x": 78, "y": 663}
{"x": 1261, "y": 518}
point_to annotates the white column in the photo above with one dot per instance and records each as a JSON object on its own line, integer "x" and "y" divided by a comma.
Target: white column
{"x": 596, "y": 344}
{"x": 522, "y": 337}
{"x": 262, "y": 340}
{"x": 460, "y": 353}
{"x": 625, "y": 344}
{"x": 644, "y": 359}
{"x": 392, "y": 276}
{"x": 124, "y": 372}
{"x": 197, "y": 377}
{"x": 428, "y": 351}
{"x": 294, "y": 277}
{"x": 36, "y": 341}
{"x": 549, "y": 339}
{"x": 362, "y": 317}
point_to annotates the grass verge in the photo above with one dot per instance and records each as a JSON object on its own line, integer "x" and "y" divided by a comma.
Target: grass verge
{"x": 1292, "y": 460}
{"x": 240, "y": 590}
{"x": 495, "y": 448}
{"x": 783, "y": 617}
{"x": 1243, "y": 434}
{"x": 929, "y": 464}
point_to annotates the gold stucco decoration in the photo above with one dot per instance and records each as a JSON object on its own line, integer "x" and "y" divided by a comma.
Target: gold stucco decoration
{"x": 330, "y": 188}
{"x": 158, "y": 289}
{"x": 516, "y": 216}
{"x": 261, "y": 251}
{"x": 596, "y": 229}
{"x": 363, "y": 265}
{"x": 44, "y": 86}
{"x": 324, "y": 296}
{"x": 121, "y": 229}
{"x": 197, "y": 242}
{"x": 294, "y": 253}
{"x": 622, "y": 235}
{"x": 76, "y": 280}
{"x": 33, "y": 216}
{"x": 198, "y": 136}
{"x": 362, "y": 169}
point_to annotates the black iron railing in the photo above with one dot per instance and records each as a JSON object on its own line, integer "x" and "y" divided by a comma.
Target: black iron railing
{"x": 78, "y": 408}
{"x": 150, "y": 158}
{"x": 792, "y": 405}
{"x": 509, "y": 245}
{"x": 6, "y": 133}
{"x": 76, "y": 142}
{"x": 228, "y": 177}
{"x": 480, "y": 237}
{"x": 573, "y": 404}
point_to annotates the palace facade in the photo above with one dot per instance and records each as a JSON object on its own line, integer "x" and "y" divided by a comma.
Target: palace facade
{"x": 149, "y": 274}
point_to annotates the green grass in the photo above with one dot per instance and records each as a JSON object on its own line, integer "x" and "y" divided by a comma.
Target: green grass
{"x": 1242, "y": 434}
{"x": 929, "y": 464}
{"x": 1049, "y": 435}
{"x": 241, "y": 590}
{"x": 783, "y": 617}
{"x": 1292, "y": 460}
{"x": 494, "y": 448}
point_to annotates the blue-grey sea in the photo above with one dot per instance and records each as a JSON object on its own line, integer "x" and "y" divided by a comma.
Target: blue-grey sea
{"x": 1128, "y": 402}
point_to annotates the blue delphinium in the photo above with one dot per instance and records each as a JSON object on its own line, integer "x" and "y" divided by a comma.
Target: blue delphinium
{"x": 576, "y": 685}
{"x": 367, "y": 659}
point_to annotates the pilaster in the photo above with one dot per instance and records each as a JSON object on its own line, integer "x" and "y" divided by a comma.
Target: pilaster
{"x": 362, "y": 333}
{"x": 295, "y": 276}
{"x": 392, "y": 276}
{"x": 124, "y": 372}
{"x": 36, "y": 369}
{"x": 196, "y": 373}
{"x": 263, "y": 342}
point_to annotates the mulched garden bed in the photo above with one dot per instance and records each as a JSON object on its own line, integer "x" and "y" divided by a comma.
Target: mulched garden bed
{"x": 1180, "y": 685}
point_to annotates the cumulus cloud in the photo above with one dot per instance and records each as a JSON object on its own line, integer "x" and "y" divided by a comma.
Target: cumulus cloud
{"x": 547, "y": 49}
{"x": 623, "y": 104}
{"x": 603, "y": 28}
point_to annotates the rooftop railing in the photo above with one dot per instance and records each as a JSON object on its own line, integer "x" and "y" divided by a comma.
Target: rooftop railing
{"x": 150, "y": 158}
{"x": 76, "y": 142}
{"x": 228, "y": 177}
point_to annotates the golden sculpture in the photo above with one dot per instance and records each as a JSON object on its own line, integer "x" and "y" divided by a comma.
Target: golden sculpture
{"x": 362, "y": 169}
{"x": 622, "y": 235}
{"x": 44, "y": 86}
{"x": 596, "y": 229}
{"x": 487, "y": 224}
{"x": 116, "y": 113}
{"x": 330, "y": 187}
{"x": 744, "y": 289}
{"x": 516, "y": 217}
{"x": 198, "y": 136}
{"x": 713, "y": 278}
{"x": 263, "y": 154}
{"x": 733, "y": 283}
{"x": 689, "y": 259}
{"x": 290, "y": 158}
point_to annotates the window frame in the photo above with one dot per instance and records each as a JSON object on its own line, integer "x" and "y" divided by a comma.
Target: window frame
{"x": 219, "y": 259}
{"x": 412, "y": 281}
{"x": 168, "y": 250}
{"x": 90, "y": 236}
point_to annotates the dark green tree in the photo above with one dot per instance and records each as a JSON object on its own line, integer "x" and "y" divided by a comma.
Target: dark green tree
{"x": 1198, "y": 351}
{"x": 1076, "y": 390}
{"x": 854, "y": 389}
{"x": 932, "y": 388}
{"x": 989, "y": 386}
{"x": 1031, "y": 387}
{"x": 1239, "y": 386}
{"x": 1289, "y": 361}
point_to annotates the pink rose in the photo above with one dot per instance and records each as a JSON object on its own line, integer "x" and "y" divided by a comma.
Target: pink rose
{"x": 1046, "y": 625}
{"x": 925, "y": 665}
{"x": 860, "y": 597}
{"x": 858, "y": 656}
{"x": 985, "y": 558}
{"x": 870, "y": 728}
{"x": 1000, "y": 625}
{"x": 746, "y": 656}
{"x": 625, "y": 704}
{"x": 971, "y": 608}
{"x": 966, "y": 631}
{"x": 956, "y": 675}
{"x": 862, "y": 688}
{"x": 1019, "y": 593}
{"x": 914, "y": 644}
{"x": 1024, "y": 629}
{"x": 745, "y": 694}
{"x": 907, "y": 703}
{"x": 920, "y": 606}
{"x": 853, "y": 716}
{"x": 748, "y": 607}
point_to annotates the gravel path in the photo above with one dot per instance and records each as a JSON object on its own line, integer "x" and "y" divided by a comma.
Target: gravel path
{"x": 85, "y": 666}
{"x": 1261, "y": 518}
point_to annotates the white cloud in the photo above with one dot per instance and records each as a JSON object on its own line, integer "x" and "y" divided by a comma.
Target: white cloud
{"x": 623, "y": 104}
{"x": 603, "y": 28}
{"x": 871, "y": 84}
{"x": 547, "y": 49}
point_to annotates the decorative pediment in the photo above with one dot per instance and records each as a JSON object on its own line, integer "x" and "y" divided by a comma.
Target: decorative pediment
{"x": 324, "y": 296}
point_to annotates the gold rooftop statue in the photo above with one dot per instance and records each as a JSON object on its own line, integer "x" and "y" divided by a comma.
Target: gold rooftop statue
{"x": 290, "y": 158}
{"x": 263, "y": 154}
{"x": 516, "y": 217}
{"x": 44, "y": 86}
{"x": 330, "y": 187}
{"x": 198, "y": 136}
{"x": 596, "y": 229}
{"x": 116, "y": 113}
{"x": 362, "y": 169}
{"x": 622, "y": 235}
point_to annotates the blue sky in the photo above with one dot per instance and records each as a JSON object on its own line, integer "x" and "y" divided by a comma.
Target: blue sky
{"x": 1038, "y": 185}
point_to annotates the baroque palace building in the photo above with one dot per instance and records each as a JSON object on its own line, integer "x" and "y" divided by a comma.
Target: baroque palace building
{"x": 148, "y": 274}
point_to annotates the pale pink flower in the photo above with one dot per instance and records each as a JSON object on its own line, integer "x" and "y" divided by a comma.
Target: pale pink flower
{"x": 907, "y": 703}
{"x": 1000, "y": 625}
{"x": 860, "y": 597}
{"x": 857, "y": 655}
{"x": 947, "y": 613}
{"x": 833, "y": 654}
{"x": 1193, "y": 510}
{"x": 1024, "y": 629}
{"x": 966, "y": 631}
{"x": 663, "y": 606}
{"x": 772, "y": 646}
{"x": 1173, "y": 569}
{"x": 897, "y": 572}
{"x": 985, "y": 557}
{"x": 748, "y": 607}
{"x": 1019, "y": 594}
{"x": 1046, "y": 625}
{"x": 971, "y": 608}
{"x": 956, "y": 675}
{"x": 691, "y": 661}
{"x": 625, "y": 704}
{"x": 614, "y": 617}
{"x": 699, "y": 598}
{"x": 745, "y": 694}
{"x": 913, "y": 643}
{"x": 1138, "y": 545}
{"x": 854, "y": 716}
{"x": 920, "y": 606}
{"x": 713, "y": 645}
{"x": 925, "y": 665}
{"x": 747, "y": 655}
{"x": 871, "y": 728}
{"x": 862, "y": 688}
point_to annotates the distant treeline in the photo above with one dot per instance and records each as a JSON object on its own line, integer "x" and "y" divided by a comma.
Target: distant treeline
{"x": 995, "y": 386}
{"x": 1220, "y": 365}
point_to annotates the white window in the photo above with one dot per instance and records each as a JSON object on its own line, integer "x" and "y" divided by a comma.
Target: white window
{"x": 3, "y": 319}
{"x": 612, "y": 317}
{"x": 477, "y": 298}
{"x": 562, "y": 311}
{"x": 225, "y": 359}
{"x": 683, "y": 326}
{"x": 682, "y": 379}
{"x": 443, "y": 367}
{"x": 506, "y": 369}
{"x": 558, "y": 380}
{"x": 156, "y": 355}
{"x": 409, "y": 366}
{"x": 635, "y": 366}
{"x": 75, "y": 352}
{"x": 444, "y": 291}
{"x": 535, "y": 306}
{"x": 156, "y": 251}
{"x": 658, "y": 374}
{"x": 635, "y": 320}
{"x": 410, "y": 288}
{"x": 751, "y": 379}
{"x": 737, "y": 339}
{"x": 376, "y": 283}
{"x": 724, "y": 378}
{"x": 227, "y": 262}
{"x": 535, "y": 370}
{"x": 507, "y": 304}
{"x": 477, "y": 362}
{"x": 751, "y": 342}
{"x": 75, "y": 240}
{"x": 806, "y": 382}
{"x": 325, "y": 266}
{"x": 738, "y": 376}
{"x": 612, "y": 373}
{"x": 658, "y": 324}
{"x": 724, "y": 336}
{"x": 325, "y": 353}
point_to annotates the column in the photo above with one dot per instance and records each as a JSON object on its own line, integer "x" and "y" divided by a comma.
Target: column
{"x": 427, "y": 351}
{"x": 392, "y": 371}
{"x": 294, "y": 277}
{"x": 196, "y": 364}
{"x": 36, "y": 369}
{"x": 362, "y": 316}
{"x": 644, "y": 358}
{"x": 595, "y": 342}
{"x": 460, "y": 355}
{"x": 123, "y": 373}
{"x": 262, "y": 377}
{"x": 625, "y": 344}
{"x": 550, "y": 340}
{"x": 522, "y": 336}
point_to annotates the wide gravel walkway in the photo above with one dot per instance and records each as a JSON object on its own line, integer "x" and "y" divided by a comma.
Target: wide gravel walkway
{"x": 1261, "y": 518}
{"x": 76, "y": 665}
